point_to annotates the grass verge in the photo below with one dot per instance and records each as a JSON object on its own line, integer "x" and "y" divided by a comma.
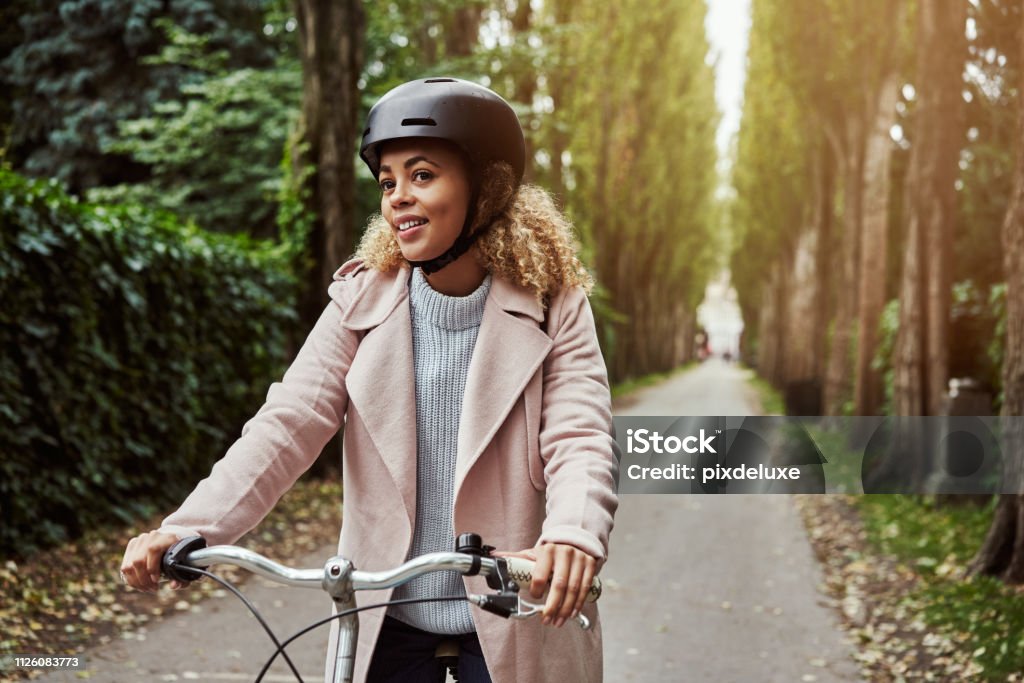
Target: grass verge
{"x": 630, "y": 385}
{"x": 896, "y": 566}
{"x": 771, "y": 399}
{"x": 938, "y": 541}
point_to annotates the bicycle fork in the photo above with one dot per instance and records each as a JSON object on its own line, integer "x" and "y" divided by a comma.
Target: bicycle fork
{"x": 338, "y": 583}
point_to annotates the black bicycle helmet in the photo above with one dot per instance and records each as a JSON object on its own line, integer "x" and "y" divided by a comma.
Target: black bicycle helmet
{"x": 469, "y": 115}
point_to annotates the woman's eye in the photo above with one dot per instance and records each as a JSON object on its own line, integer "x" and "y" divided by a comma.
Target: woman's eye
{"x": 422, "y": 175}
{"x": 386, "y": 185}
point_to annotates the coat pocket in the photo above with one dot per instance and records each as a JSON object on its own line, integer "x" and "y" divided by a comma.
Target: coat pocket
{"x": 532, "y": 398}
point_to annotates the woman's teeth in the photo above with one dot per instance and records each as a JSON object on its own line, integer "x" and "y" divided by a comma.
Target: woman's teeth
{"x": 410, "y": 224}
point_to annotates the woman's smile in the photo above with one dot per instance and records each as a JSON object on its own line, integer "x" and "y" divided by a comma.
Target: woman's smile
{"x": 408, "y": 226}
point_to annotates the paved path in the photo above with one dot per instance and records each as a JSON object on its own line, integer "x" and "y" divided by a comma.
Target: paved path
{"x": 221, "y": 640}
{"x": 714, "y": 588}
{"x": 698, "y": 588}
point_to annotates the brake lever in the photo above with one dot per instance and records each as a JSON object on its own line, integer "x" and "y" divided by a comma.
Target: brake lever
{"x": 526, "y": 610}
{"x": 511, "y": 606}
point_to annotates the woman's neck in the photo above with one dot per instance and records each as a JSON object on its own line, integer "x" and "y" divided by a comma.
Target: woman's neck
{"x": 459, "y": 278}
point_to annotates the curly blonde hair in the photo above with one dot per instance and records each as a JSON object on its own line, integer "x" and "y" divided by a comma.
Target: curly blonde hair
{"x": 527, "y": 239}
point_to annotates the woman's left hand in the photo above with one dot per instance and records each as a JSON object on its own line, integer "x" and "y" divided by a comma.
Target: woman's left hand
{"x": 570, "y": 571}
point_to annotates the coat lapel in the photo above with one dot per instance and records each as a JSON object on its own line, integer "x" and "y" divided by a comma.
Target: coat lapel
{"x": 381, "y": 381}
{"x": 509, "y": 348}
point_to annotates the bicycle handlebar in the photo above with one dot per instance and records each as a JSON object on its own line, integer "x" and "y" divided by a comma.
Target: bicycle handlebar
{"x": 520, "y": 570}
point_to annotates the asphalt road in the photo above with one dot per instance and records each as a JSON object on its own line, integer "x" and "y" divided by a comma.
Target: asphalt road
{"x": 698, "y": 588}
{"x": 714, "y": 588}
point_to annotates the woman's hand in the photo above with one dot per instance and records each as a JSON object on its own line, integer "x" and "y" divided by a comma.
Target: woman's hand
{"x": 570, "y": 571}
{"x": 141, "y": 564}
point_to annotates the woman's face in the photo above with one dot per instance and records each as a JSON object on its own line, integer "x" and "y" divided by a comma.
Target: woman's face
{"x": 425, "y": 195}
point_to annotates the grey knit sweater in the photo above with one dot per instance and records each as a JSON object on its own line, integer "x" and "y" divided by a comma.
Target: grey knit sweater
{"x": 444, "y": 331}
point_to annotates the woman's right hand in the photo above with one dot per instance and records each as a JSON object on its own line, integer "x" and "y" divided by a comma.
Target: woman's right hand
{"x": 141, "y": 564}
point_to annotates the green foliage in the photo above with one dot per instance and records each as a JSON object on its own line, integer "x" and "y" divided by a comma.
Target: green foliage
{"x": 978, "y": 332}
{"x": 888, "y": 328}
{"x": 213, "y": 152}
{"x": 81, "y": 68}
{"x": 636, "y": 383}
{"x": 982, "y": 613}
{"x": 771, "y": 399}
{"x": 996, "y": 350}
{"x": 137, "y": 347}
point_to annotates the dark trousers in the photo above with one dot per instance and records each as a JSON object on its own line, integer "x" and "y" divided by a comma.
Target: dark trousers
{"x": 405, "y": 654}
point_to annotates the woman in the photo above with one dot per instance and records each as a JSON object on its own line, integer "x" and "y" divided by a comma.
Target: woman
{"x": 460, "y": 353}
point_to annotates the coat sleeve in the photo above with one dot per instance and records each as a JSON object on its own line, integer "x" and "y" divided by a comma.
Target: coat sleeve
{"x": 576, "y": 433}
{"x": 301, "y": 414}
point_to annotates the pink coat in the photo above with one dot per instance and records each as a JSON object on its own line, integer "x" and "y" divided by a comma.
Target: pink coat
{"x": 536, "y": 461}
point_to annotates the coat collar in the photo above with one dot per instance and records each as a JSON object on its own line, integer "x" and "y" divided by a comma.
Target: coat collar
{"x": 382, "y": 292}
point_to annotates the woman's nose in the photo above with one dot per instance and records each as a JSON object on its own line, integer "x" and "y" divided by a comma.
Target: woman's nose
{"x": 400, "y": 194}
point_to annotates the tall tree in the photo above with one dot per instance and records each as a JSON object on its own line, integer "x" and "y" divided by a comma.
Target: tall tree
{"x": 874, "y": 241}
{"x": 771, "y": 210}
{"x": 1002, "y": 553}
{"x": 921, "y": 354}
{"x": 331, "y": 50}
{"x": 868, "y": 33}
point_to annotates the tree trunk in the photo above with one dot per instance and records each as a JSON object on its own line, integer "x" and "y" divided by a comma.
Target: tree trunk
{"x": 851, "y": 151}
{"x": 874, "y": 247}
{"x": 801, "y": 331}
{"x": 908, "y": 355}
{"x": 921, "y": 356}
{"x": 331, "y": 48}
{"x": 560, "y": 84}
{"x": 823, "y": 214}
{"x": 768, "y": 347}
{"x": 463, "y": 35}
{"x": 525, "y": 80}
{"x": 1002, "y": 554}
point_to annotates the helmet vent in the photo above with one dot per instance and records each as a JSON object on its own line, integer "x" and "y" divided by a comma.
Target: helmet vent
{"x": 440, "y": 80}
{"x": 419, "y": 122}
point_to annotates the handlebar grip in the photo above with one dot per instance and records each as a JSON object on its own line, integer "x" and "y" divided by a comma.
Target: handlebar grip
{"x": 173, "y": 565}
{"x": 521, "y": 571}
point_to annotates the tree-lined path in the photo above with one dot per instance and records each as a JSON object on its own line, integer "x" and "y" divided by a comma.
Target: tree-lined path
{"x": 180, "y": 180}
{"x": 714, "y": 588}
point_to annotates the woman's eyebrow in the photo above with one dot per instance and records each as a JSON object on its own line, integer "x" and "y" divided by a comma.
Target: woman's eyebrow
{"x": 384, "y": 168}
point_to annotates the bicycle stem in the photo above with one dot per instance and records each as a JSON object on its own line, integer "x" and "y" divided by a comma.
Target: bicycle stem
{"x": 337, "y": 582}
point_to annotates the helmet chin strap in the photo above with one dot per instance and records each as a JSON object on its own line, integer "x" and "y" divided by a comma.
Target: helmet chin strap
{"x": 462, "y": 243}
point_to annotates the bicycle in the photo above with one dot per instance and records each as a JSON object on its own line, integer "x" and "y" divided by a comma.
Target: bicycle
{"x": 186, "y": 560}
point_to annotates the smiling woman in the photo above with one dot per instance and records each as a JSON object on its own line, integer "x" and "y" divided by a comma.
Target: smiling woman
{"x": 459, "y": 351}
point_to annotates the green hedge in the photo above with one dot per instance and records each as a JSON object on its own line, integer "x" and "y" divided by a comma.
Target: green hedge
{"x": 135, "y": 347}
